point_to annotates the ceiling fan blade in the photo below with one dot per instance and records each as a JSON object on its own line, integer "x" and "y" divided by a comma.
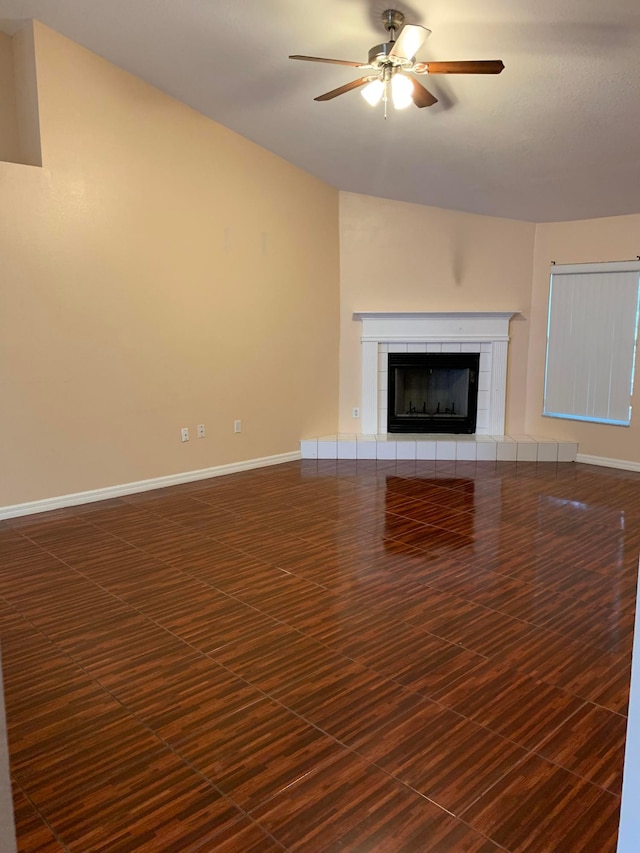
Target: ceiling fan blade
{"x": 332, "y": 61}
{"x": 342, "y": 89}
{"x": 410, "y": 39}
{"x": 422, "y": 97}
{"x": 479, "y": 66}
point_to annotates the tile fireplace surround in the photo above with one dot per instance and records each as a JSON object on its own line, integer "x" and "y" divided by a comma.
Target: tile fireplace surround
{"x": 486, "y": 333}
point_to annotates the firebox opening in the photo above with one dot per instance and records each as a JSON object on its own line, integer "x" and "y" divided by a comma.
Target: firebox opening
{"x": 433, "y": 392}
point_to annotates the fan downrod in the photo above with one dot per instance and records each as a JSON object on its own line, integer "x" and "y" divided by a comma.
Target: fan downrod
{"x": 392, "y": 20}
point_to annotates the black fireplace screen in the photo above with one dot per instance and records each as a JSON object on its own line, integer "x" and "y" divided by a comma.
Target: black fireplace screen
{"x": 433, "y": 392}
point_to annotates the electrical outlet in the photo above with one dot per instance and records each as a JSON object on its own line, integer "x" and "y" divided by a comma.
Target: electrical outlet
{"x": 237, "y": 426}
{"x": 201, "y": 432}
{"x": 356, "y": 412}
{"x": 184, "y": 434}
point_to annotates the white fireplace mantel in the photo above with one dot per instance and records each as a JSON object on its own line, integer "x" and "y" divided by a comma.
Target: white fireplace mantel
{"x": 478, "y": 331}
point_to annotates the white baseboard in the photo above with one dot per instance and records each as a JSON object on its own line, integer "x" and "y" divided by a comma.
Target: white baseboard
{"x": 143, "y": 485}
{"x": 623, "y": 464}
{"x": 62, "y": 501}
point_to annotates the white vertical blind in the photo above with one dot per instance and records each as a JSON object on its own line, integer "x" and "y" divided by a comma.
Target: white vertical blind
{"x": 591, "y": 342}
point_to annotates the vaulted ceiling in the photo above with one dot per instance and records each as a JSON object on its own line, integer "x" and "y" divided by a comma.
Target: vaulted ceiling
{"x": 554, "y": 137}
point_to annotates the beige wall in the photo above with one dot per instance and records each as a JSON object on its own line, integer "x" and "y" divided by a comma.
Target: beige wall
{"x": 593, "y": 240}
{"x": 158, "y": 272}
{"x": 396, "y": 256}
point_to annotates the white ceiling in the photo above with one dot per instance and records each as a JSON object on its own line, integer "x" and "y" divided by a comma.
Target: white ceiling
{"x": 554, "y": 137}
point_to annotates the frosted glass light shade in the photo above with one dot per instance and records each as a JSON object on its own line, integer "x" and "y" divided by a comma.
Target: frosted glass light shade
{"x": 401, "y": 91}
{"x": 372, "y": 92}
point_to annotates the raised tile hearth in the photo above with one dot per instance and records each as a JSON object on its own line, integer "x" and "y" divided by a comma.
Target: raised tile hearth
{"x": 468, "y": 448}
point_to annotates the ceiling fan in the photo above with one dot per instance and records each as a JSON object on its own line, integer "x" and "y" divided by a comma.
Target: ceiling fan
{"x": 391, "y": 63}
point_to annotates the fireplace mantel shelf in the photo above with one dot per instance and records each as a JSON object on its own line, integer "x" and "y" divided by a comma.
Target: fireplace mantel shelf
{"x": 395, "y": 315}
{"x": 445, "y": 326}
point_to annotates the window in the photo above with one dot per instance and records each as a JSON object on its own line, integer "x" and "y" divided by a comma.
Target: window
{"x": 591, "y": 342}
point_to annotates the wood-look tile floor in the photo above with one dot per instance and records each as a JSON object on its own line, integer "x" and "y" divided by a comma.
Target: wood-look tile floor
{"x": 325, "y": 656}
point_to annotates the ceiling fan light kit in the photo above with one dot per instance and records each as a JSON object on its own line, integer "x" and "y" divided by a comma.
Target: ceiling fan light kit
{"x": 392, "y": 61}
{"x": 373, "y": 91}
{"x": 378, "y": 89}
{"x": 401, "y": 91}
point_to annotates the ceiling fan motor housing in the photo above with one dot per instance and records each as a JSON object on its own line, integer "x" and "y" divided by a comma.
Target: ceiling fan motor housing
{"x": 379, "y": 56}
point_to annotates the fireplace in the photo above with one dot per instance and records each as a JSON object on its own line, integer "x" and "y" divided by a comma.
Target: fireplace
{"x": 483, "y": 333}
{"x": 432, "y": 392}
